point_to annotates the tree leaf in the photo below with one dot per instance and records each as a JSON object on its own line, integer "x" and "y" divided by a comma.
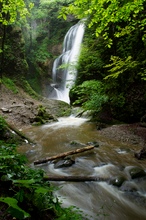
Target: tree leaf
{"x": 14, "y": 209}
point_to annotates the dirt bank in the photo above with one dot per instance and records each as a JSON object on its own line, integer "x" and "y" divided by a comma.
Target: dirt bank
{"x": 20, "y": 109}
{"x": 133, "y": 134}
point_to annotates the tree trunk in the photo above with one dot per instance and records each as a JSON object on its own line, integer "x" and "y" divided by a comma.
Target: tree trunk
{"x": 64, "y": 154}
{"x": 74, "y": 178}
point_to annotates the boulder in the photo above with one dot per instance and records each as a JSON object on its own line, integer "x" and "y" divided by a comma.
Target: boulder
{"x": 129, "y": 186}
{"x": 137, "y": 172}
{"x": 117, "y": 181}
{"x": 64, "y": 163}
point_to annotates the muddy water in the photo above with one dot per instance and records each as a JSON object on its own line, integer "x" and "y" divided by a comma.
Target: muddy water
{"x": 100, "y": 200}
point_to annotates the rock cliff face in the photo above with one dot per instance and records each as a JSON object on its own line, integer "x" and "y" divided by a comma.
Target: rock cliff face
{"x": 14, "y": 59}
{"x": 55, "y": 50}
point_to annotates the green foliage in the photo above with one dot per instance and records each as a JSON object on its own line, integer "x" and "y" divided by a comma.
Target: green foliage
{"x": 35, "y": 82}
{"x": 25, "y": 191}
{"x": 46, "y": 31}
{"x": 120, "y": 66}
{"x": 117, "y": 18}
{"x": 3, "y": 125}
{"x": 125, "y": 89}
{"x": 10, "y": 84}
{"x": 42, "y": 53}
{"x": 90, "y": 94}
{"x": 42, "y": 115}
{"x": 28, "y": 89}
{"x": 14, "y": 62}
{"x": 11, "y": 162}
{"x": 14, "y": 209}
{"x": 71, "y": 213}
{"x": 93, "y": 58}
{"x": 12, "y": 10}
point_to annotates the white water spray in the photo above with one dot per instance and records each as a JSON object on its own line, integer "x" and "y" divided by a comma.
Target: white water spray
{"x": 64, "y": 67}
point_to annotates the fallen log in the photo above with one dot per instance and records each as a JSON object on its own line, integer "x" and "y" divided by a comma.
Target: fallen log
{"x": 63, "y": 154}
{"x": 19, "y": 133}
{"x": 73, "y": 178}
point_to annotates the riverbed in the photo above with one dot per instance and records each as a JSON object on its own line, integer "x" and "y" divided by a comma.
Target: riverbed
{"x": 111, "y": 159}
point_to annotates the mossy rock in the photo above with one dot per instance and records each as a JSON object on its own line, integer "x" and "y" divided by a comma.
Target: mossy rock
{"x": 137, "y": 172}
{"x": 117, "y": 181}
{"x": 39, "y": 120}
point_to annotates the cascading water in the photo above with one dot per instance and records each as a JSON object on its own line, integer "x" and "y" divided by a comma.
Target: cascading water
{"x": 64, "y": 67}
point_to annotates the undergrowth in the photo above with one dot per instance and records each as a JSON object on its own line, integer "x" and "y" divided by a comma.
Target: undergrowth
{"x": 24, "y": 193}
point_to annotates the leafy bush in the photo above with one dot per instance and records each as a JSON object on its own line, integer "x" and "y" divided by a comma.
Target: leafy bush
{"x": 90, "y": 94}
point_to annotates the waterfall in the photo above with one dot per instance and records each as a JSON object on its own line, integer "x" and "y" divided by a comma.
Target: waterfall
{"x": 64, "y": 71}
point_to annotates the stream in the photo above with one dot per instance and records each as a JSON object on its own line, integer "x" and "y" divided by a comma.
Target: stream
{"x": 99, "y": 200}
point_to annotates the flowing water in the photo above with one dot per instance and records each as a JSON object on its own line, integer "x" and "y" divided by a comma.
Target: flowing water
{"x": 100, "y": 200}
{"x": 64, "y": 67}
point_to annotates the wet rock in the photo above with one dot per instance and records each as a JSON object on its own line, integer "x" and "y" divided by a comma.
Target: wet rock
{"x": 128, "y": 186}
{"x": 102, "y": 164}
{"x": 117, "y": 181}
{"x": 87, "y": 114}
{"x": 76, "y": 143}
{"x": 100, "y": 126}
{"x": 137, "y": 172}
{"x": 141, "y": 154}
{"x": 64, "y": 163}
{"x": 94, "y": 143}
{"x": 78, "y": 112}
{"x": 122, "y": 150}
{"x": 30, "y": 152}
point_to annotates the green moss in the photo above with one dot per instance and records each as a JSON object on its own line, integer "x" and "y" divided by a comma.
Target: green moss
{"x": 10, "y": 84}
{"x": 28, "y": 89}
